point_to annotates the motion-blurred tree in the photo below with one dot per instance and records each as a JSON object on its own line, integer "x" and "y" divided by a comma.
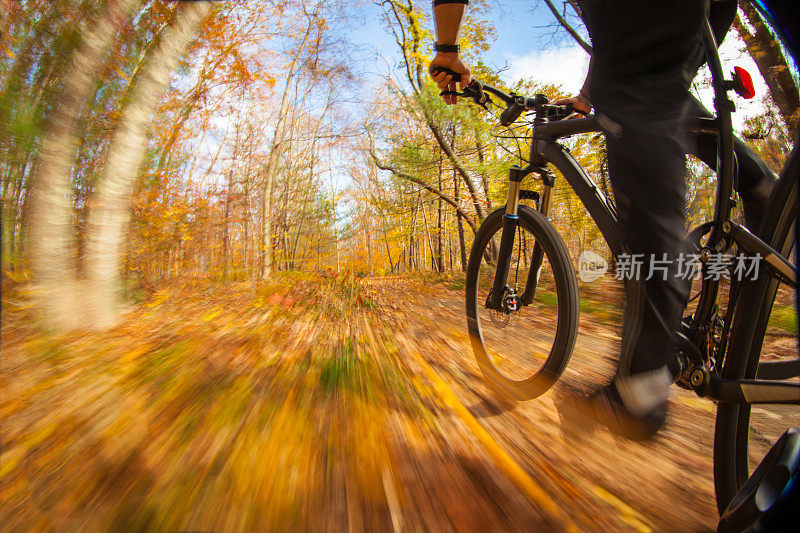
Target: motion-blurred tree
{"x": 109, "y": 215}
{"x": 52, "y": 238}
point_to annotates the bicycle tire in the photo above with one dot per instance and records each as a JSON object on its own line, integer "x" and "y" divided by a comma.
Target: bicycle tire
{"x": 566, "y": 287}
{"x": 733, "y": 424}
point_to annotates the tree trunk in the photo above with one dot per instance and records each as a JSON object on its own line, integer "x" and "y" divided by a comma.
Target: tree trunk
{"x": 412, "y": 249}
{"x": 439, "y": 228}
{"x": 269, "y": 179}
{"x": 368, "y": 237}
{"x": 484, "y": 176}
{"x": 52, "y": 239}
{"x": 449, "y": 245}
{"x": 277, "y": 147}
{"x": 226, "y": 230}
{"x": 461, "y": 243}
{"x": 109, "y": 216}
{"x": 388, "y": 251}
{"x": 434, "y": 265}
{"x": 766, "y": 52}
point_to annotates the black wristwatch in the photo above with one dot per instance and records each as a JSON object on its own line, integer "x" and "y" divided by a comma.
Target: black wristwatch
{"x": 447, "y": 48}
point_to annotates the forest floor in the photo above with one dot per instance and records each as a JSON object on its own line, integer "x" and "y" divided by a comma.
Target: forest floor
{"x": 318, "y": 404}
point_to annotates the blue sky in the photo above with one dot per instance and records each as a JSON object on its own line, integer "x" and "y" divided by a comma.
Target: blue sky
{"x": 528, "y": 42}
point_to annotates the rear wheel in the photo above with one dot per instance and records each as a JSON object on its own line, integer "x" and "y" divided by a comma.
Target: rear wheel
{"x": 763, "y": 344}
{"x": 524, "y": 346}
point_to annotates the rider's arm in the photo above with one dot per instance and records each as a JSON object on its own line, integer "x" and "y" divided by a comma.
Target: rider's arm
{"x": 583, "y": 95}
{"x": 448, "y": 16}
{"x": 582, "y": 102}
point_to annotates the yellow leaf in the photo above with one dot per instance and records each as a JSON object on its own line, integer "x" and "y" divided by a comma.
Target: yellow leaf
{"x": 211, "y": 315}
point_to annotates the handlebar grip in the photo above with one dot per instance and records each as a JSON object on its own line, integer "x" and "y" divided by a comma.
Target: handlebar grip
{"x": 511, "y": 114}
{"x": 436, "y": 69}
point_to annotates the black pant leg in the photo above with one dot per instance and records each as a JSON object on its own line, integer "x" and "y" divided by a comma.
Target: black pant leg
{"x": 647, "y": 165}
{"x": 645, "y": 55}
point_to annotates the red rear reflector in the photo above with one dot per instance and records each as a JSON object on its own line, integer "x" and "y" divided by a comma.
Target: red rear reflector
{"x": 743, "y": 83}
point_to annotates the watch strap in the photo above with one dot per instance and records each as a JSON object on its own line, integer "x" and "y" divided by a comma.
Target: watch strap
{"x": 447, "y": 48}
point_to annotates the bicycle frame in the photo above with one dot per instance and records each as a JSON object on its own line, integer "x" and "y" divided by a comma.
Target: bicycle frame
{"x": 723, "y": 233}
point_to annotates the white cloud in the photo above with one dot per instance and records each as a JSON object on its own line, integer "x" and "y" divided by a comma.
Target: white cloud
{"x": 564, "y": 66}
{"x": 567, "y": 67}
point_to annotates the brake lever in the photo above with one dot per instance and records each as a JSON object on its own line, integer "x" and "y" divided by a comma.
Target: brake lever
{"x": 473, "y": 91}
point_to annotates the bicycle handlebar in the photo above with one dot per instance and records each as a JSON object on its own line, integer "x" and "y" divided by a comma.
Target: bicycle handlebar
{"x": 511, "y": 114}
{"x": 515, "y": 104}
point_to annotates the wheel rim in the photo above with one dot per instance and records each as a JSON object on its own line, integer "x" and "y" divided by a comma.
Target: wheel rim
{"x": 524, "y": 347}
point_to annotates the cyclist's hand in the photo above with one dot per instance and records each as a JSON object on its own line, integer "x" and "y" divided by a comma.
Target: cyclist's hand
{"x": 578, "y": 104}
{"x": 445, "y": 81}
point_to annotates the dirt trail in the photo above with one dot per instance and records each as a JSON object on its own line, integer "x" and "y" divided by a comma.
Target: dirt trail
{"x": 607, "y": 481}
{"x": 318, "y": 404}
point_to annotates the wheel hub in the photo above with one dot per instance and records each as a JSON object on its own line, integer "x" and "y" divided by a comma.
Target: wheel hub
{"x": 508, "y": 305}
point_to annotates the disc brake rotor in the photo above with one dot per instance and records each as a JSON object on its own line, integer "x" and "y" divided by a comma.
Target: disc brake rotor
{"x": 508, "y": 305}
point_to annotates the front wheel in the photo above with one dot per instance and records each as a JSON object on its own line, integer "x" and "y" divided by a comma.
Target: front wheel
{"x": 523, "y": 345}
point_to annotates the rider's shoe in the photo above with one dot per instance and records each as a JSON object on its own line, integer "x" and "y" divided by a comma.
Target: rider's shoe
{"x": 605, "y": 407}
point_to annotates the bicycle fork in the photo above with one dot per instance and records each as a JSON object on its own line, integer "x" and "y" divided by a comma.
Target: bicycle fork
{"x": 510, "y": 224}
{"x": 537, "y": 256}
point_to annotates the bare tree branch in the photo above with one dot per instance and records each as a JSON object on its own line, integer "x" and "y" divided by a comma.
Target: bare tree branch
{"x": 576, "y": 7}
{"x": 561, "y": 20}
{"x": 426, "y": 186}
